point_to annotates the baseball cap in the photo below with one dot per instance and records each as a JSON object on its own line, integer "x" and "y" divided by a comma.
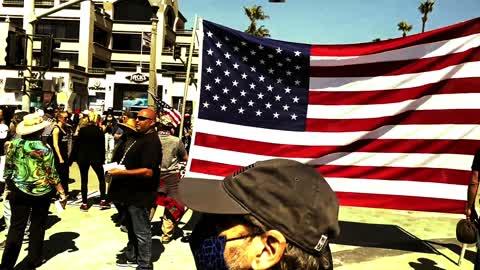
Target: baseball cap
{"x": 466, "y": 232}
{"x": 283, "y": 194}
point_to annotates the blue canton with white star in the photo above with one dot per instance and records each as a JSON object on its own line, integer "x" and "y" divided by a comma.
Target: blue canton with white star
{"x": 253, "y": 81}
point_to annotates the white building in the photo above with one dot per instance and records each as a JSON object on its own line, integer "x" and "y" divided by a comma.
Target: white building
{"x": 103, "y": 63}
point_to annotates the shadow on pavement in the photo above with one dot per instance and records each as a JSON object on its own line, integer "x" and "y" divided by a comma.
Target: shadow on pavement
{"x": 157, "y": 249}
{"x": 380, "y": 236}
{"x": 51, "y": 220}
{"x": 56, "y": 244}
{"x": 469, "y": 255}
{"x": 391, "y": 238}
{"x": 424, "y": 264}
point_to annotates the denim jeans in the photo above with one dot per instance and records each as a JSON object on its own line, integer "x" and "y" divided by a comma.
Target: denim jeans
{"x": 139, "y": 245}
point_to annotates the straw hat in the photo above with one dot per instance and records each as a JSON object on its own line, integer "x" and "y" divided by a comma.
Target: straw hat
{"x": 131, "y": 124}
{"x": 31, "y": 123}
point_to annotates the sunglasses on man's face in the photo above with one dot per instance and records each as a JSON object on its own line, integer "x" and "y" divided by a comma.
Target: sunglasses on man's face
{"x": 142, "y": 118}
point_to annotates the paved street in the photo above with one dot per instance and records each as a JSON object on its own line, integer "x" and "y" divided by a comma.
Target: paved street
{"x": 370, "y": 239}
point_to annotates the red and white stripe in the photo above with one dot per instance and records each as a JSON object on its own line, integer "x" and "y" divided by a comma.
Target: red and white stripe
{"x": 391, "y": 124}
{"x": 175, "y": 115}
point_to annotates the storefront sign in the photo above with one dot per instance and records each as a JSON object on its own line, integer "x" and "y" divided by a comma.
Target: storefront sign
{"x": 137, "y": 77}
{"x": 97, "y": 85}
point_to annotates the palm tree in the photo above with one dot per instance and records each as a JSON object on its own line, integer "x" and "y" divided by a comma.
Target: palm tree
{"x": 376, "y": 39}
{"x": 425, "y": 8}
{"x": 404, "y": 27}
{"x": 254, "y": 14}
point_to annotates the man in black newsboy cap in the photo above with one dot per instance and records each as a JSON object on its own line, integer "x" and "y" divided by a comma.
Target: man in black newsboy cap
{"x": 274, "y": 214}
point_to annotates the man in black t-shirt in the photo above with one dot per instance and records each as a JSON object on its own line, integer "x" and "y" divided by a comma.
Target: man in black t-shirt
{"x": 470, "y": 213}
{"x": 135, "y": 187}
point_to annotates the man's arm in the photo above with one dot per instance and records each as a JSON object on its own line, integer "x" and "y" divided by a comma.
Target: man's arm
{"x": 142, "y": 172}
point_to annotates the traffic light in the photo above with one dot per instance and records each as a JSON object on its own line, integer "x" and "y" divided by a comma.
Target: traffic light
{"x": 46, "y": 52}
{"x": 15, "y": 50}
{"x": 176, "y": 52}
{"x": 55, "y": 53}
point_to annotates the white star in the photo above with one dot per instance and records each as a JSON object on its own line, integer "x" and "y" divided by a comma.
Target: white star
{"x": 260, "y": 47}
{"x": 297, "y": 53}
{"x": 219, "y": 63}
{"x": 253, "y": 69}
{"x": 250, "y": 103}
{"x": 245, "y": 59}
{"x": 258, "y": 113}
{"x": 218, "y": 44}
{"x": 287, "y": 90}
{"x": 277, "y": 98}
{"x": 252, "y": 52}
{"x": 227, "y": 39}
{"x": 215, "y": 98}
{"x": 270, "y": 70}
{"x": 279, "y": 50}
{"x": 209, "y": 34}
{"x": 244, "y": 76}
{"x": 270, "y": 88}
{"x": 288, "y": 59}
{"x": 243, "y": 43}
{"x": 235, "y": 83}
{"x": 268, "y": 105}
{"x": 209, "y": 70}
{"x": 235, "y": 66}
{"x": 225, "y": 90}
{"x": 297, "y": 67}
{"x": 252, "y": 86}
{"x": 227, "y": 73}
{"x": 285, "y": 107}
{"x": 241, "y": 110}
{"x": 227, "y": 55}
{"x": 208, "y": 87}
{"x": 288, "y": 72}
{"x": 233, "y": 100}
{"x": 275, "y": 115}
{"x": 236, "y": 49}
{"x": 223, "y": 107}
{"x": 294, "y": 116}
{"x": 261, "y": 78}
{"x": 205, "y": 104}
{"x": 280, "y": 64}
{"x": 270, "y": 55}
{"x": 279, "y": 80}
{"x": 243, "y": 93}
{"x": 297, "y": 82}
{"x": 217, "y": 80}
{"x": 295, "y": 100}
{"x": 260, "y": 95}
{"x": 262, "y": 61}
{"x": 210, "y": 52}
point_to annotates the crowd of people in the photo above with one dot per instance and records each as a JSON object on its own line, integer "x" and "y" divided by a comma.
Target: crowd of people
{"x": 250, "y": 220}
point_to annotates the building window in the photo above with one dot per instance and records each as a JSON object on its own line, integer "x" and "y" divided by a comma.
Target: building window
{"x": 100, "y": 36}
{"x": 127, "y": 42}
{"x": 59, "y": 29}
{"x": 132, "y": 10}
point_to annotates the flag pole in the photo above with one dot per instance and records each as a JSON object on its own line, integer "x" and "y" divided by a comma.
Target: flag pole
{"x": 187, "y": 79}
{"x": 141, "y": 53}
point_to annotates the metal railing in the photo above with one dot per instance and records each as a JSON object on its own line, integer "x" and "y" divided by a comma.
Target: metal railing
{"x": 13, "y": 2}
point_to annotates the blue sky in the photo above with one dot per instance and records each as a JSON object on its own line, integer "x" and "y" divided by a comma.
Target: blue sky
{"x": 332, "y": 22}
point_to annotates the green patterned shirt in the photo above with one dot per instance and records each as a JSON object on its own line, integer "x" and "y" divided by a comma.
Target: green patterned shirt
{"x": 29, "y": 165}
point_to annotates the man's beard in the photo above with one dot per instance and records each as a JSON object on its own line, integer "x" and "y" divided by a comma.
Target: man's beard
{"x": 238, "y": 259}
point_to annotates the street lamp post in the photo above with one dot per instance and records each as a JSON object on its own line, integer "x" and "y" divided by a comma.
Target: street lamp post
{"x": 152, "y": 82}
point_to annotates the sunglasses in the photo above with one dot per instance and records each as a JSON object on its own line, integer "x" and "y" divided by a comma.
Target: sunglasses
{"x": 142, "y": 118}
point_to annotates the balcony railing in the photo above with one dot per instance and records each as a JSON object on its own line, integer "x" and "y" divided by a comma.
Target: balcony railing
{"x": 13, "y": 3}
{"x": 44, "y": 3}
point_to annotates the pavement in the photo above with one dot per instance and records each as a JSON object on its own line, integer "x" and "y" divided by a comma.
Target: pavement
{"x": 370, "y": 239}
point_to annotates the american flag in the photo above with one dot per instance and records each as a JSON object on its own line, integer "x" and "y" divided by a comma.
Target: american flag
{"x": 173, "y": 113}
{"x": 146, "y": 39}
{"x": 390, "y": 124}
